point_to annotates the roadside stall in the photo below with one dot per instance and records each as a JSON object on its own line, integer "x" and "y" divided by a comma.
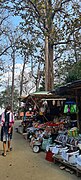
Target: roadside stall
{"x": 72, "y": 92}
{"x": 58, "y": 133}
{"x": 45, "y": 103}
{"x": 45, "y": 107}
{"x": 67, "y": 147}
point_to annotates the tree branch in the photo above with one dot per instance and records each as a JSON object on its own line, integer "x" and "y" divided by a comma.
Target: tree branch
{"x": 5, "y": 50}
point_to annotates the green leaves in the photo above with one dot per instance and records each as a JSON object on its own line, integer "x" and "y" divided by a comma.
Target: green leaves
{"x": 74, "y": 72}
{"x": 5, "y": 98}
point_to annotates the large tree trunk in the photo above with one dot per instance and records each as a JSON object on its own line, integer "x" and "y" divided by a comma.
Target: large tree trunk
{"x": 13, "y": 70}
{"x": 22, "y": 75}
{"x": 46, "y": 64}
{"x": 51, "y": 70}
{"x": 49, "y": 79}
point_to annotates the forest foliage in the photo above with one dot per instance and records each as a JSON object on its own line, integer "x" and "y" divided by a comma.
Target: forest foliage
{"x": 47, "y": 39}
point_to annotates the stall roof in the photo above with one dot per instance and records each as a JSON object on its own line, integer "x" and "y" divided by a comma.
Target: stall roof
{"x": 54, "y": 99}
{"x": 61, "y": 91}
{"x": 69, "y": 88}
{"x": 34, "y": 94}
{"x": 42, "y": 95}
{"x": 21, "y": 98}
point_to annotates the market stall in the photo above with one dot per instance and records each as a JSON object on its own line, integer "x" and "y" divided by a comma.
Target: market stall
{"x": 44, "y": 102}
{"x": 72, "y": 91}
{"x": 58, "y": 136}
{"x": 58, "y": 133}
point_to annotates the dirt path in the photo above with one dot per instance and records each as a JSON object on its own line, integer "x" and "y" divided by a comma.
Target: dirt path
{"x": 23, "y": 164}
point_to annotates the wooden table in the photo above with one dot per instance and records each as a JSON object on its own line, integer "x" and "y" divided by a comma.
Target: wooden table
{"x": 57, "y": 158}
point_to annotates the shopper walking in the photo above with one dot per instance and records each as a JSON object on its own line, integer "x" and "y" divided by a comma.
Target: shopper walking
{"x": 7, "y": 121}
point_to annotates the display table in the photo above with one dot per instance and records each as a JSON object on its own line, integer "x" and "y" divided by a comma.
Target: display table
{"x": 57, "y": 158}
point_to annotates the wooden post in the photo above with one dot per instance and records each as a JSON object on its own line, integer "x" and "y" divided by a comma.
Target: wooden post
{"x": 78, "y": 125}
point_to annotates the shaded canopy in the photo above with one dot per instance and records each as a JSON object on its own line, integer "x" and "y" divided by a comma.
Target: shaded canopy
{"x": 69, "y": 89}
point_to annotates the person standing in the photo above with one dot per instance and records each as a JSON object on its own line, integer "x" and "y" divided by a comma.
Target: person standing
{"x": 7, "y": 121}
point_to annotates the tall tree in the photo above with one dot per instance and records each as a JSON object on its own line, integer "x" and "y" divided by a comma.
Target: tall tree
{"x": 56, "y": 21}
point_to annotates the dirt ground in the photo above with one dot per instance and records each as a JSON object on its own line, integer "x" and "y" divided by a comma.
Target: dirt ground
{"x": 22, "y": 164}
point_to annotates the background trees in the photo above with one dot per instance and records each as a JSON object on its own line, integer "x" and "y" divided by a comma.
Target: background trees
{"x": 46, "y": 41}
{"x": 5, "y": 98}
{"x": 58, "y": 22}
{"x": 74, "y": 73}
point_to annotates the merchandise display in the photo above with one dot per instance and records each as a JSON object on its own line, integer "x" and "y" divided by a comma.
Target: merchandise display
{"x": 59, "y": 138}
{"x": 70, "y": 107}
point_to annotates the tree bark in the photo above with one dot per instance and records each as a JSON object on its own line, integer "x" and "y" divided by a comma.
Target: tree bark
{"x": 22, "y": 75}
{"x": 49, "y": 79}
{"x": 13, "y": 70}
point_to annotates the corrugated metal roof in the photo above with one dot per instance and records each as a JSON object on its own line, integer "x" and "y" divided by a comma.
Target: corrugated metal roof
{"x": 40, "y": 93}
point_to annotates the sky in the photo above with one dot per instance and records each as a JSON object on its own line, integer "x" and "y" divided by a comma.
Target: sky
{"x": 15, "y": 20}
{"x": 18, "y": 67}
